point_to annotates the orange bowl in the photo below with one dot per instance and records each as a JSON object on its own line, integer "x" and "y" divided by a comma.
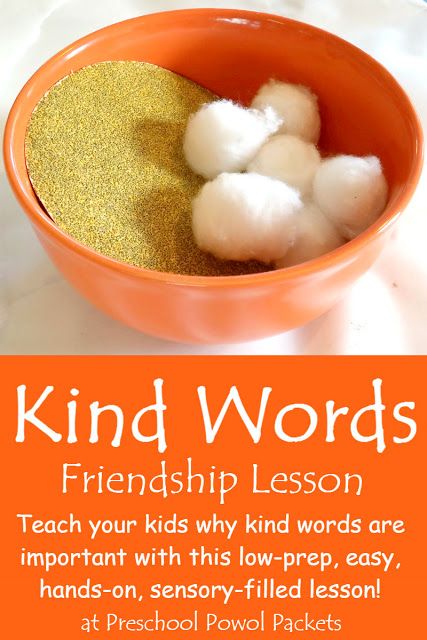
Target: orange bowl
{"x": 363, "y": 109}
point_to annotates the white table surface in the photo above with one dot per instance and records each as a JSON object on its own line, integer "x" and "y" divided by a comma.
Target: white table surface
{"x": 384, "y": 313}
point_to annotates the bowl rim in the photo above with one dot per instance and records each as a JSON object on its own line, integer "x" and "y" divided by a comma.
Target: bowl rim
{"x": 39, "y": 216}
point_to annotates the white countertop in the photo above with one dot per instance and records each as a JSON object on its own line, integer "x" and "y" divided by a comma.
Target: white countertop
{"x": 384, "y": 313}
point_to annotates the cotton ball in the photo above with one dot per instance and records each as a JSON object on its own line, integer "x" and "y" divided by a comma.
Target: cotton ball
{"x": 295, "y": 104}
{"x": 315, "y": 235}
{"x": 245, "y": 216}
{"x": 351, "y": 192}
{"x": 222, "y": 136}
{"x": 288, "y": 158}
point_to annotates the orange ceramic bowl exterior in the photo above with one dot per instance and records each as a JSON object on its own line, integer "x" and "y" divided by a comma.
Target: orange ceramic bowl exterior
{"x": 363, "y": 109}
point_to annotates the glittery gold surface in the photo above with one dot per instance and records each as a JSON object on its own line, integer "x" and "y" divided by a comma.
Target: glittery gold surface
{"x": 104, "y": 155}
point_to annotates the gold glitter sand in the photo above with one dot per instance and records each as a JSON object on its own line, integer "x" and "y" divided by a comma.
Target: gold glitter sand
{"x": 104, "y": 155}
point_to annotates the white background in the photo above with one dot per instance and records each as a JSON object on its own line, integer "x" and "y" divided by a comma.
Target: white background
{"x": 386, "y": 311}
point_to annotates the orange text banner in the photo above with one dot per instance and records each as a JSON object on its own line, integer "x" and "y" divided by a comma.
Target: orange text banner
{"x": 204, "y": 497}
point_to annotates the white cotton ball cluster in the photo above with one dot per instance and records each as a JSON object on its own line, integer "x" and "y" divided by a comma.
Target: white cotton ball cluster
{"x": 224, "y": 137}
{"x": 295, "y": 104}
{"x": 315, "y": 235}
{"x": 351, "y": 191}
{"x": 290, "y": 159}
{"x": 246, "y": 216}
{"x": 290, "y": 206}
